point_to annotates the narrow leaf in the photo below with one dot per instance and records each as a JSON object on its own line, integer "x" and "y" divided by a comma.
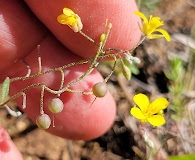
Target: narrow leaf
{"x": 5, "y": 89}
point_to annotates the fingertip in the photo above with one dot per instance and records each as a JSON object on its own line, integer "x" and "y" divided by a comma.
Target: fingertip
{"x": 125, "y": 32}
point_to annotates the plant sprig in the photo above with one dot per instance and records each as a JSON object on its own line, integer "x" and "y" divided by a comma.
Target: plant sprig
{"x": 99, "y": 89}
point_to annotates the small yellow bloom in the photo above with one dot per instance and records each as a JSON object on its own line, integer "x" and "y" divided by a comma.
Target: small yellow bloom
{"x": 71, "y": 19}
{"x": 149, "y": 112}
{"x": 151, "y": 26}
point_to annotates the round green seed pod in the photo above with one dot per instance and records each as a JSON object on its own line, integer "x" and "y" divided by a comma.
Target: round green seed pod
{"x": 100, "y": 89}
{"x": 43, "y": 121}
{"x": 56, "y": 105}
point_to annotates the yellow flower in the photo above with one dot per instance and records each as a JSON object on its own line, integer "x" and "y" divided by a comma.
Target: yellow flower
{"x": 151, "y": 26}
{"x": 149, "y": 112}
{"x": 71, "y": 19}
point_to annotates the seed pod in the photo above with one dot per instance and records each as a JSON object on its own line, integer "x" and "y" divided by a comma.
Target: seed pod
{"x": 126, "y": 72}
{"x": 103, "y": 37}
{"x": 43, "y": 121}
{"x": 110, "y": 25}
{"x": 100, "y": 89}
{"x": 56, "y": 105}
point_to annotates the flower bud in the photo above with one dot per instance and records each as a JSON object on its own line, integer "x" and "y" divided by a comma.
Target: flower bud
{"x": 136, "y": 60}
{"x": 103, "y": 37}
{"x": 56, "y": 105}
{"x": 43, "y": 121}
{"x": 100, "y": 89}
{"x": 110, "y": 25}
{"x": 71, "y": 19}
{"x": 128, "y": 58}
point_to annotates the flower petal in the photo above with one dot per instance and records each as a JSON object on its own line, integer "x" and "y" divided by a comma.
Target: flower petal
{"x": 156, "y": 120}
{"x": 142, "y": 101}
{"x": 71, "y": 19}
{"x": 142, "y": 16}
{"x": 155, "y": 22}
{"x": 155, "y": 36}
{"x": 62, "y": 19}
{"x": 137, "y": 113}
{"x": 68, "y": 12}
{"x": 164, "y": 33}
{"x": 157, "y": 105}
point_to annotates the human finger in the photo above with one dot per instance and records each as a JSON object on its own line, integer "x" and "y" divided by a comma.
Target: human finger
{"x": 94, "y": 14}
{"x": 8, "y": 149}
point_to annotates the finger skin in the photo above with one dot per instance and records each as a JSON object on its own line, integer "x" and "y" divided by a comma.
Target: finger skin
{"x": 8, "y": 150}
{"x": 78, "y": 120}
{"x": 20, "y": 32}
{"x": 124, "y": 34}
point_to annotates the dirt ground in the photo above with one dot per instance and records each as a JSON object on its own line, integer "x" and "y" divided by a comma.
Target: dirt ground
{"x": 123, "y": 140}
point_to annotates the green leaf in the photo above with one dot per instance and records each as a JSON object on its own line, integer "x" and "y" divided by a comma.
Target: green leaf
{"x": 5, "y": 89}
{"x": 183, "y": 157}
{"x": 134, "y": 69}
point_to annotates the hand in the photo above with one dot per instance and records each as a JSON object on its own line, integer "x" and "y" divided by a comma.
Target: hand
{"x": 21, "y": 32}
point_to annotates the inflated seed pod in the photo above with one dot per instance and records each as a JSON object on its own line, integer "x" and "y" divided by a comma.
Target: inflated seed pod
{"x": 43, "y": 121}
{"x": 56, "y": 105}
{"x": 126, "y": 72}
{"x": 100, "y": 89}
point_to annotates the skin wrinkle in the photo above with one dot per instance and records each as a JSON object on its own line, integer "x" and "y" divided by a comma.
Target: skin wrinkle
{"x": 8, "y": 42}
{"x": 17, "y": 38}
{"x": 5, "y": 33}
